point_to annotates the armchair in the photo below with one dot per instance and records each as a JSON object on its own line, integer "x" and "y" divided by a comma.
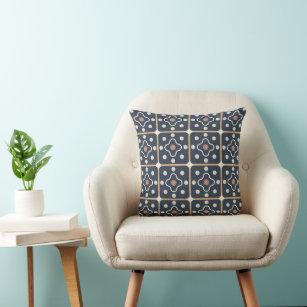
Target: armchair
{"x": 256, "y": 238}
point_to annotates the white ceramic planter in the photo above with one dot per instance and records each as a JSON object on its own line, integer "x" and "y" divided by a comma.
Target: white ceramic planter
{"x": 29, "y": 203}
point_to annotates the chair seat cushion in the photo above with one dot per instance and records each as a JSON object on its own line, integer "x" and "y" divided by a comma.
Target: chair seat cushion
{"x": 191, "y": 238}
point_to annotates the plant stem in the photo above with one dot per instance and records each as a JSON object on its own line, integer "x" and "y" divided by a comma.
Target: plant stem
{"x": 24, "y": 184}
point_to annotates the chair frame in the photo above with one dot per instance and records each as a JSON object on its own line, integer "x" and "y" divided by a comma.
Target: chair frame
{"x": 269, "y": 192}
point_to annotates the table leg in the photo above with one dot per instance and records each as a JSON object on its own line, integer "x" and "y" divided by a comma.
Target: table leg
{"x": 30, "y": 276}
{"x": 70, "y": 268}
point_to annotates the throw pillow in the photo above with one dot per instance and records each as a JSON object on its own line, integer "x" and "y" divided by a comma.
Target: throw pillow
{"x": 189, "y": 163}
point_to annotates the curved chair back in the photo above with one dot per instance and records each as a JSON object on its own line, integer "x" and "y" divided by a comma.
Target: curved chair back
{"x": 124, "y": 152}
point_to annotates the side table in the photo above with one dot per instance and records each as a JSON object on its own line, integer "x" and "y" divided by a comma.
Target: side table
{"x": 67, "y": 251}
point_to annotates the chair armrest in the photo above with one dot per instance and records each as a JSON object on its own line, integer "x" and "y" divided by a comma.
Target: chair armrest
{"x": 106, "y": 208}
{"x": 273, "y": 197}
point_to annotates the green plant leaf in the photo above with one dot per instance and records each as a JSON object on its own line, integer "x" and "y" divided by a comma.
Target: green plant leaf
{"x": 40, "y": 154}
{"x": 42, "y": 163}
{"x": 31, "y": 172}
{"x": 16, "y": 163}
{"x": 15, "y": 167}
{"x": 22, "y": 144}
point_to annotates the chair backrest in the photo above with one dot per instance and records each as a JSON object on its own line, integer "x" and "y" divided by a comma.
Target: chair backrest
{"x": 124, "y": 152}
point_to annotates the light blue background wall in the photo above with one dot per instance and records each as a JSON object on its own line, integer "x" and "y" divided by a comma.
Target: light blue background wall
{"x": 68, "y": 69}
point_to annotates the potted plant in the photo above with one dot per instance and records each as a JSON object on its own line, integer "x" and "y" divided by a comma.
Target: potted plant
{"x": 26, "y": 163}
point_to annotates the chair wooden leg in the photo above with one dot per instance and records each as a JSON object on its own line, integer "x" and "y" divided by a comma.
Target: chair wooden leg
{"x": 248, "y": 289}
{"x": 70, "y": 268}
{"x": 134, "y": 288}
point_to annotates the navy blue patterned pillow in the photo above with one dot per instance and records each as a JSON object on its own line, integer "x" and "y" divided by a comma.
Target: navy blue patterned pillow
{"x": 189, "y": 163}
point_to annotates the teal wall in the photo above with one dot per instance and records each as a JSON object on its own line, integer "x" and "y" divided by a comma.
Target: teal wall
{"x": 68, "y": 69}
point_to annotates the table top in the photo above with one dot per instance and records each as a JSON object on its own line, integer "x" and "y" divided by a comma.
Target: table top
{"x": 75, "y": 237}
{"x": 77, "y": 242}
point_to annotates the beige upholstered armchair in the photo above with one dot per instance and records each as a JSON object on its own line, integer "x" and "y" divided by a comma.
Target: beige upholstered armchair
{"x": 256, "y": 238}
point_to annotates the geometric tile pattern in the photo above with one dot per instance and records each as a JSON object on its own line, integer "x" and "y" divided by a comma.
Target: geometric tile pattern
{"x": 189, "y": 163}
